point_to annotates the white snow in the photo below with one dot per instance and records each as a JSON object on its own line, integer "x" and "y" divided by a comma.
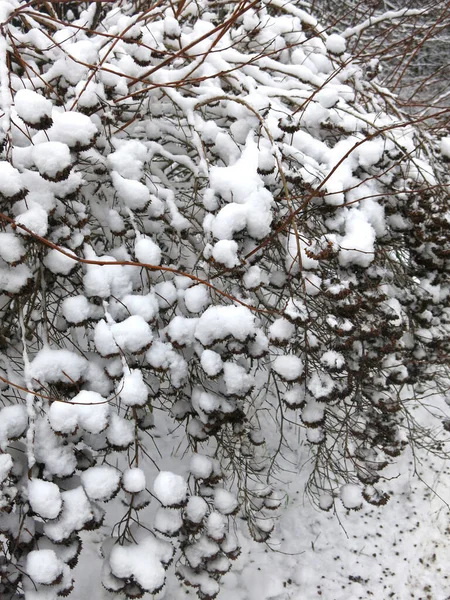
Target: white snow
{"x": 351, "y": 496}
{"x": 335, "y": 44}
{"x": 57, "y": 365}
{"x": 35, "y": 219}
{"x": 249, "y": 202}
{"x": 104, "y": 339}
{"x": 252, "y": 277}
{"x": 200, "y": 466}
{"x": 320, "y": 384}
{"x": 129, "y": 158}
{"x": 145, "y": 306}
{"x": 196, "y": 509}
{"x": 100, "y": 482}
{"x": 170, "y": 489}
{"x": 75, "y": 513}
{"x": 197, "y": 298}
{"x": 103, "y": 280}
{"x": 237, "y": 381}
{"x": 224, "y": 501}
{"x": 31, "y": 106}
{"x": 133, "y": 480}
{"x": 12, "y": 249}
{"x": 166, "y": 294}
{"x": 327, "y": 96}
{"x": 181, "y": 331}
{"x": 10, "y": 180}
{"x": 211, "y": 362}
{"x": 57, "y": 458}
{"x": 43, "y": 566}
{"x": 208, "y": 586}
{"x": 281, "y": 330}
{"x": 218, "y": 322}
{"x": 51, "y": 158}
{"x": 133, "y": 334}
{"x": 216, "y": 526}
{"x": 63, "y": 417}
{"x": 147, "y": 252}
{"x": 6, "y": 464}
{"x": 295, "y": 396}
{"x": 332, "y": 359}
{"x": 289, "y": 367}
{"x": 132, "y": 389}
{"x": 12, "y": 280}
{"x": 225, "y": 253}
{"x": 134, "y": 194}
{"x": 357, "y": 245}
{"x": 144, "y": 562}
{"x": 445, "y": 147}
{"x": 76, "y": 309}
{"x": 168, "y": 520}
{"x": 206, "y": 179}
{"x": 13, "y": 422}
{"x": 58, "y": 263}
{"x": 73, "y": 129}
{"x": 313, "y": 412}
{"x": 200, "y": 550}
{"x": 296, "y": 310}
{"x": 93, "y": 417}
{"x": 120, "y": 432}
{"x": 44, "y": 498}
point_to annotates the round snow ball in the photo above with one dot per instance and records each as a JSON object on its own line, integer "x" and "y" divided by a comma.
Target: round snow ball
{"x": 147, "y": 252}
{"x": 252, "y": 278}
{"x": 445, "y": 147}
{"x": 196, "y": 509}
{"x": 59, "y": 263}
{"x": 32, "y": 107}
{"x": 225, "y": 501}
{"x": 216, "y": 526}
{"x": 11, "y": 247}
{"x": 63, "y": 417}
{"x": 225, "y": 253}
{"x": 196, "y": 298}
{"x": 211, "y": 362}
{"x": 288, "y": 367}
{"x": 100, "y": 483}
{"x": 336, "y": 44}
{"x": 76, "y": 309}
{"x": 325, "y": 502}
{"x": 74, "y": 129}
{"x": 43, "y": 566}
{"x": 351, "y": 496}
{"x": 170, "y": 489}
{"x": 94, "y": 416}
{"x": 327, "y": 97}
{"x": 51, "y": 158}
{"x": 44, "y": 498}
{"x": 201, "y": 466}
{"x": 168, "y": 520}
{"x": 133, "y": 480}
{"x": 133, "y": 391}
{"x": 13, "y": 421}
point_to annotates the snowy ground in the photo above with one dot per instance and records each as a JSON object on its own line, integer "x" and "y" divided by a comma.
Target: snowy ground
{"x": 397, "y": 551}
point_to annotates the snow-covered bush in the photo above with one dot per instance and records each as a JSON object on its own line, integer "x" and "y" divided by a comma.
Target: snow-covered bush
{"x": 214, "y": 222}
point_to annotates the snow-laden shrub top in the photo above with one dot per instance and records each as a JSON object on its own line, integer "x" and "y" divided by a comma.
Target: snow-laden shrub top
{"x": 209, "y": 217}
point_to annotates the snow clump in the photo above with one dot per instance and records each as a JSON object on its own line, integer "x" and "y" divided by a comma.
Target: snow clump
{"x": 43, "y": 566}
{"x": 44, "y": 498}
{"x": 170, "y": 489}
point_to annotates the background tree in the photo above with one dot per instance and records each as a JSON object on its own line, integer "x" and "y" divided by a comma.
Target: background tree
{"x": 215, "y": 218}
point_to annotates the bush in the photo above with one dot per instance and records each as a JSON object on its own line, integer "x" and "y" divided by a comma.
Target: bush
{"x": 215, "y": 222}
